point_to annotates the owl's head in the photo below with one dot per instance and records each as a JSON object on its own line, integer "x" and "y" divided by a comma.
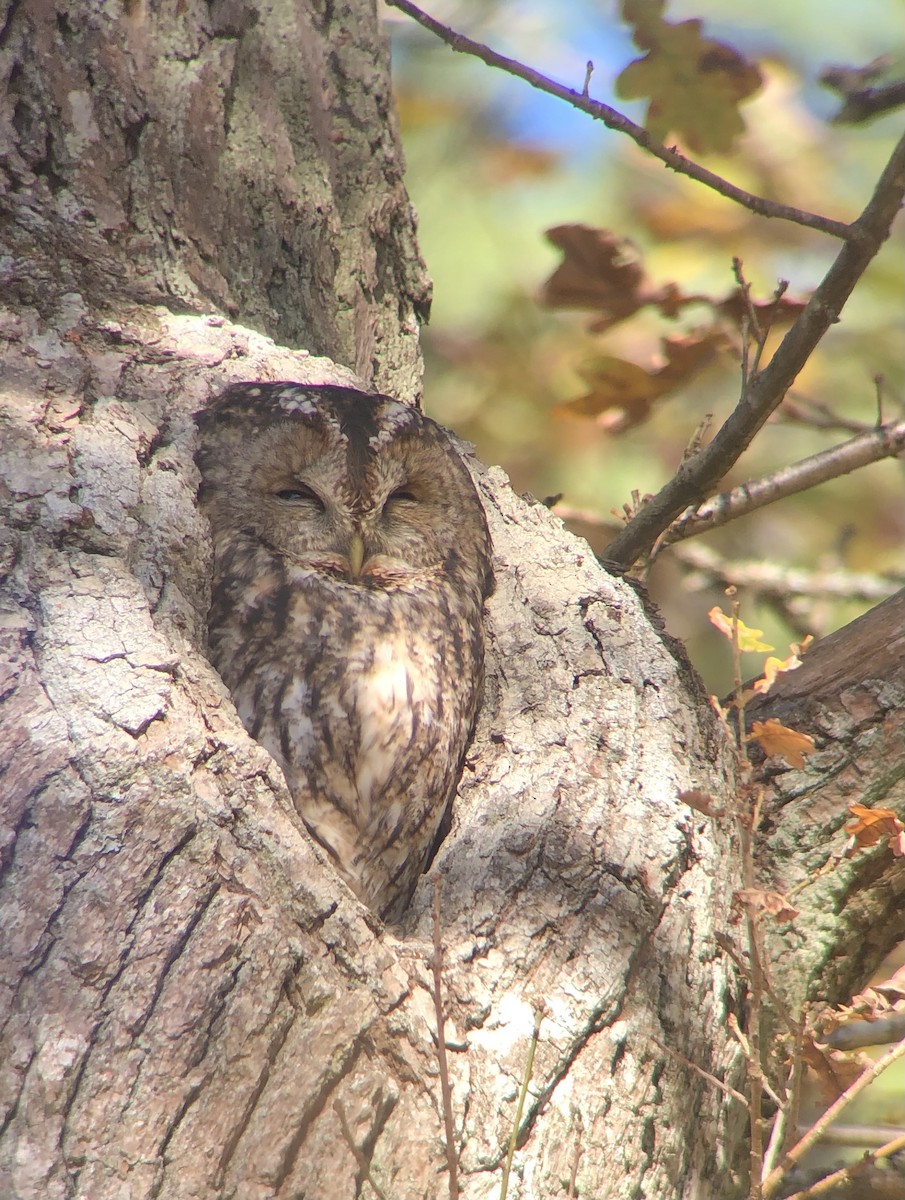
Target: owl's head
{"x": 335, "y": 480}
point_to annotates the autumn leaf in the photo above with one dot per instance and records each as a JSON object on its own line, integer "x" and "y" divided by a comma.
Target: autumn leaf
{"x": 776, "y": 666}
{"x": 835, "y": 1071}
{"x": 775, "y": 738}
{"x": 686, "y": 356}
{"x": 605, "y": 273}
{"x": 773, "y": 313}
{"x": 702, "y": 802}
{"x": 871, "y": 826}
{"x": 599, "y": 270}
{"x": 694, "y": 84}
{"x": 614, "y": 383}
{"x": 773, "y": 904}
{"x": 749, "y": 640}
{"x": 617, "y": 383}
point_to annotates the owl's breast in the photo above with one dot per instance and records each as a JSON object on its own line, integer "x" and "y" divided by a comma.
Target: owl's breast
{"x": 393, "y": 703}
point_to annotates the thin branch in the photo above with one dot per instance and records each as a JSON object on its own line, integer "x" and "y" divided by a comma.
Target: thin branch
{"x": 445, "y": 1087}
{"x": 707, "y": 569}
{"x": 697, "y": 477}
{"x": 795, "y": 1086}
{"x": 613, "y": 119}
{"x": 520, "y": 1107}
{"x": 774, "y": 1179}
{"x": 870, "y": 1136}
{"x": 693, "y": 1066}
{"x": 775, "y": 1140}
{"x": 816, "y": 414}
{"x": 850, "y": 1172}
{"x": 886, "y": 442}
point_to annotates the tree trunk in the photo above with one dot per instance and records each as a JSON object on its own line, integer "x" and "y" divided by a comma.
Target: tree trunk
{"x": 193, "y": 1004}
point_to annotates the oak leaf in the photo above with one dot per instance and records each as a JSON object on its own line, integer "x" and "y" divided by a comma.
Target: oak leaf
{"x": 775, "y": 738}
{"x": 694, "y": 84}
{"x": 599, "y": 271}
{"x": 618, "y": 383}
{"x": 702, "y": 802}
{"x": 871, "y": 826}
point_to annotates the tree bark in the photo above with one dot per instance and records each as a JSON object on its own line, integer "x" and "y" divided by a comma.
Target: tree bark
{"x": 217, "y": 157}
{"x": 849, "y": 695}
{"x": 192, "y": 1002}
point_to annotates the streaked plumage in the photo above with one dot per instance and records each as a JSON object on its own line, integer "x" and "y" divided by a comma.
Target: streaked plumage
{"x": 351, "y": 563}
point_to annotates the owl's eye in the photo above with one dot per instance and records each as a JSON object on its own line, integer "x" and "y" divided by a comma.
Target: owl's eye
{"x": 301, "y": 493}
{"x": 401, "y": 494}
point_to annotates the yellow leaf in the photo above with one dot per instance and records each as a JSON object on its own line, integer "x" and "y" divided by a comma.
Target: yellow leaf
{"x": 772, "y": 668}
{"x": 775, "y": 738}
{"x": 748, "y": 639}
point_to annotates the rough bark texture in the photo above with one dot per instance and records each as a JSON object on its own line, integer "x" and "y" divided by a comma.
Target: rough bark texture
{"x": 188, "y": 989}
{"x": 191, "y": 1002}
{"x": 220, "y": 156}
{"x": 850, "y": 697}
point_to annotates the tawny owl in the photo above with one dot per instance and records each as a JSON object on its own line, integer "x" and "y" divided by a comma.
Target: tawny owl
{"x": 351, "y": 565}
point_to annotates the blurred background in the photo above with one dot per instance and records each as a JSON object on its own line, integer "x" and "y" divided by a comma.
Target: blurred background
{"x": 492, "y": 164}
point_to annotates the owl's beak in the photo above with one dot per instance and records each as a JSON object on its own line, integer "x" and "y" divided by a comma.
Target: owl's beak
{"x": 356, "y": 554}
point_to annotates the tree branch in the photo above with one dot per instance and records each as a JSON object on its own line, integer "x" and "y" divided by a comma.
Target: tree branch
{"x": 862, "y": 98}
{"x": 697, "y": 477}
{"x": 773, "y": 1180}
{"x": 706, "y": 568}
{"x": 615, "y": 120}
{"x": 887, "y": 441}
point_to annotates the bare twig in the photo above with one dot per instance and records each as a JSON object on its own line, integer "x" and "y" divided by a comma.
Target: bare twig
{"x": 697, "y": 477}
{"x": 886, "y": 442}
{"x": 775, "y": 1140}
{"x": 613, "y": 119}
{"x": 693, "y": 1066}
{"x": 520, "y": 1107}
{"x": 445, "y": 1087}
{"x": 796, "y": 1081}
{"x": 845, "y": 1174}
{"x": 707, "y": 568}
{"x": 878, "y": 387}
{"x": 577, "y": 1132}
{"x": 863, "y": 99}
{"x": 774, "y": 1179}
{"x": 589, "y": 71}
{"x": 818, "y": 415}
{"x": 871, "y": 1136}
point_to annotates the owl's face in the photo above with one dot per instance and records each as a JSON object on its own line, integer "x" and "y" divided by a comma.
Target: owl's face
{"x": 333, "y": 480}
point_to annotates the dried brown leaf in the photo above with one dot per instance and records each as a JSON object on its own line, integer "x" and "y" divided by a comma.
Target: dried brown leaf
{"x": 775, "y": 738}
{"x": 772, "y": 904}
{"x": 872, "y": 826}
{"x": 702, "y": 802}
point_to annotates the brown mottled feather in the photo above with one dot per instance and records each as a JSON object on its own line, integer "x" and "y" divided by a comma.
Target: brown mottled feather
{"x": 351, "y": 564}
